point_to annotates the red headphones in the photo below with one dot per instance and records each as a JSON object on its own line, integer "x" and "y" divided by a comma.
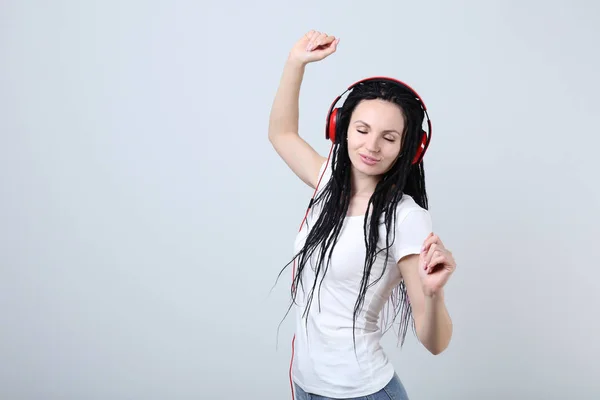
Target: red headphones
{"x": 333, "y": 115}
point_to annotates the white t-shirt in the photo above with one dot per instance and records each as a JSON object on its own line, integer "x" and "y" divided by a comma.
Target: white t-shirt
{"x": 325, "y": 361}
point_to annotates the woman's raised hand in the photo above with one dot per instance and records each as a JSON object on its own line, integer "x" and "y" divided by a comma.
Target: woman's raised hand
{"x": 313, "y": 46}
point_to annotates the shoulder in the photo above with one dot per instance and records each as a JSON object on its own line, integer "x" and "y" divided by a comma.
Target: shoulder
{"x": 407, "y": 208}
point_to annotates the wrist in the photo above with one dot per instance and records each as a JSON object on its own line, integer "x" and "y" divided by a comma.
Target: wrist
{"x": 437, "y": 295}
{"x": 295, "y": 63}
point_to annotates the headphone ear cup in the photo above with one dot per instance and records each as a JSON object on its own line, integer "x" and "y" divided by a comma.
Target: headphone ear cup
{"x": 421, "y": 149}
{"x": 332, "y": 125}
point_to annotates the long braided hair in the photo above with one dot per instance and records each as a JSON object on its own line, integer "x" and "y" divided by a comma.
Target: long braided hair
{"x": 402, "y": 178}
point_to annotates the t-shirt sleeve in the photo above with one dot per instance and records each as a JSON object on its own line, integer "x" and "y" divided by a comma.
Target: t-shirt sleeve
{"x": 412, "y": 228}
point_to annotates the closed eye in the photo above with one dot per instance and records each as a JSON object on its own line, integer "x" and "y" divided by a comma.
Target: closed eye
{"x": 388, "y": 138}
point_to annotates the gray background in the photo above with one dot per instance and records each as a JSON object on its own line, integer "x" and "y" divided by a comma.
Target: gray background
{"x": 144, "y": 215}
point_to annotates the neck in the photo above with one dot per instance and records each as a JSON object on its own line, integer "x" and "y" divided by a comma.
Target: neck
{"x": 363, "y": 185}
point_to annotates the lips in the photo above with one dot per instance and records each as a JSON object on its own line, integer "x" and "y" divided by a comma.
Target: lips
{"x": 368, "y": 160}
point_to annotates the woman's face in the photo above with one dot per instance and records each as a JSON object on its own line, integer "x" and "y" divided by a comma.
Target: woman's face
{"x": 375, "y": 136}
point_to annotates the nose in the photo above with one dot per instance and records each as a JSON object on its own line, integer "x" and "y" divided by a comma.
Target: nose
{"x": 372, "y": 143}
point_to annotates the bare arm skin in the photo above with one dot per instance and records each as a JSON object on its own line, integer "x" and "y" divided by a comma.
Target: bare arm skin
{"x": 425, "y": 275}
{"x": 302, "y": 158}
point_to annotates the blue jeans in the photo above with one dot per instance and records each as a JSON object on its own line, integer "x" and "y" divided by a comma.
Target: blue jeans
{"x": 394, "y": 390}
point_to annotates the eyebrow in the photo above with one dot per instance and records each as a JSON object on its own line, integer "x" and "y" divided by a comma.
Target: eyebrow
{"x": 368, "y": 126}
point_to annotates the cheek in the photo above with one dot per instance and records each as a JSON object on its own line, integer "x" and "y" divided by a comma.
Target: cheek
{"x": 354, "y": 142}
{"x": 392, "y": 151}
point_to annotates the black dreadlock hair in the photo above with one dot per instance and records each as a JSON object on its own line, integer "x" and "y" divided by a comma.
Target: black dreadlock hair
{"x": 402, "y": 178}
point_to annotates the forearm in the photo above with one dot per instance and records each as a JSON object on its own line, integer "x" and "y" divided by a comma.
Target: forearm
{"x": 285, "y": 108}
{"x": 435, "y": 330}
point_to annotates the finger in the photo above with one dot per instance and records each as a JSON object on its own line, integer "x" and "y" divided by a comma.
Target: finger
{"x": 307, "y": 38}
{"x": 434, "y": 261}
{"x": 312, "y": 39}
{"x": 431, "y": 239}
{"x": 437, "y": 261}
{"x": 438, "y": 240}
{"x": 450, "y": 261}
{"x": 435, "y": 255}
{"x": 325, "y": 41}
{"x": 329, "y": 46}
{"x": 318, "y": 40}
{"x": 426, "y": 242}
{"x": 429, "y": 255}
{"x": 333, "y": 46}
{"x": 311, "y": 36}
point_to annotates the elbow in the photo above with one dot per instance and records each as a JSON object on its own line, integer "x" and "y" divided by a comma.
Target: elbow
{"x": 438, "y": 344}
{"x": 434, "y": 337}
{"x": 437, "y": 350}
{"x": 274, "y": 135}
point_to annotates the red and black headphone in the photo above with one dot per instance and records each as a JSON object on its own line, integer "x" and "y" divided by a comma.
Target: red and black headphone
{"x": 330, "y": 134}
{"x": 334, "y": 112}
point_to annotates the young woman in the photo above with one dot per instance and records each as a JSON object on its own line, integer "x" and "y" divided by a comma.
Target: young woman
{"x": 366, "y": 242}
